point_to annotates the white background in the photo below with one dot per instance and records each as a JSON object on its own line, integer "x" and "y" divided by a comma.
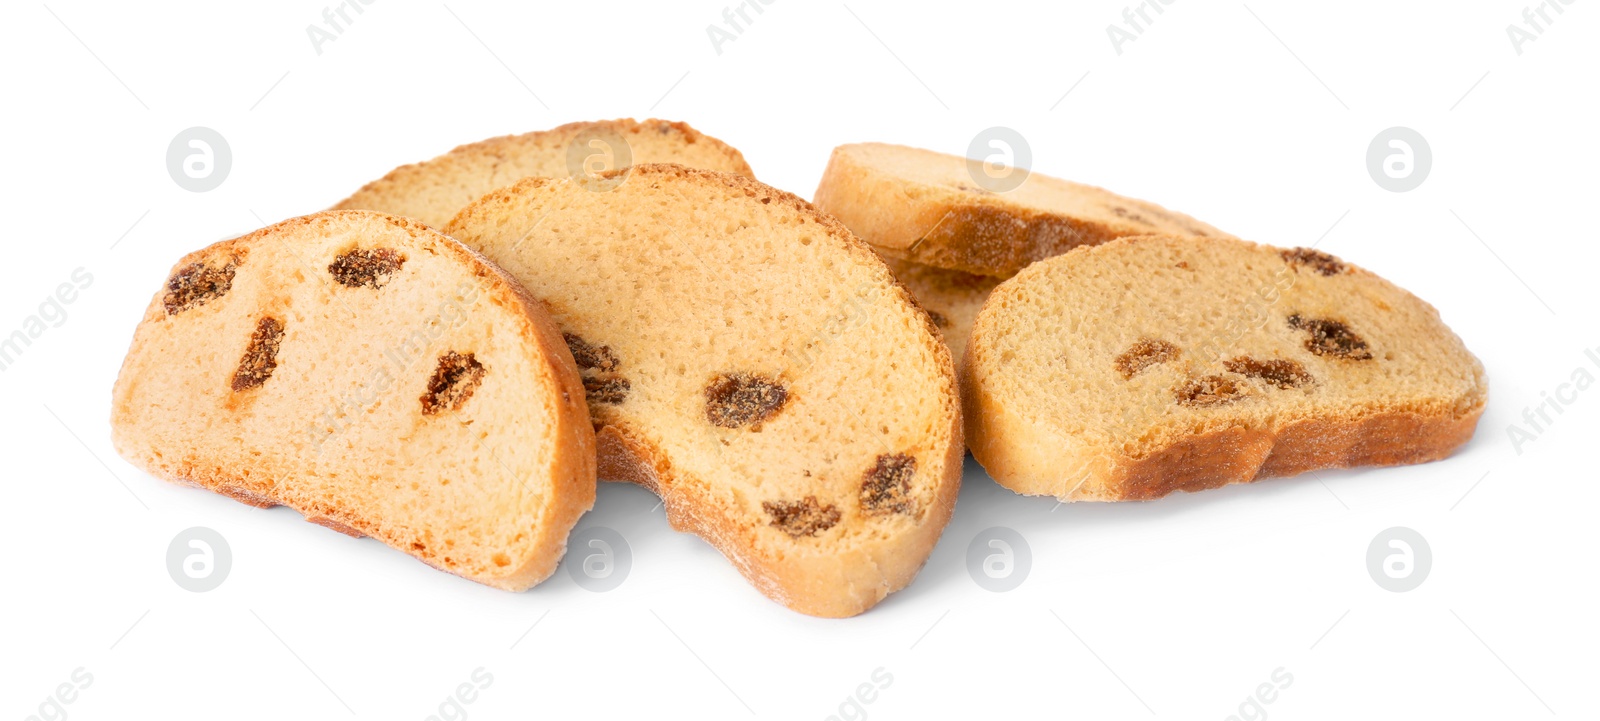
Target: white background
{"x": 1178, "y": 608}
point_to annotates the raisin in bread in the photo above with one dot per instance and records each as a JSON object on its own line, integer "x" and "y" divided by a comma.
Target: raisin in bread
{"x": 951, "y": 297}
{"x": 374, "y": 375}
{"x": 1161, "y": 363}
{"x": 750, "y": 361}
{"x": 434, "y": 190}
{"x": 925, "y": 207}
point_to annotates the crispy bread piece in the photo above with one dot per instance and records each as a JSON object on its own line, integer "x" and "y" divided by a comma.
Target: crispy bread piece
{"x": 1163, "y": 363}
{"x": 374, "y": 375}
{"x": 753, "y": 363}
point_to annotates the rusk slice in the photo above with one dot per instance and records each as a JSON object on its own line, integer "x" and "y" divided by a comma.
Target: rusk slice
{"x": 1161, "y": 363}
{"x": 926, "y": 207}
{"x": 750, "y": 361}
{"x": 374, "y": 375}
{"x": 433, "y": 191}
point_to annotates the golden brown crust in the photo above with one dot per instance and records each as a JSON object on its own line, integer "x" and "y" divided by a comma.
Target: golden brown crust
{"x": 238, "y": 494}
{"x": 1240, "y": 455}
{"x": 625, "y": 460}
{"x": 572, "y": 476}
{"x": 1390, "y": 437}
{"x": 333, "y": 525}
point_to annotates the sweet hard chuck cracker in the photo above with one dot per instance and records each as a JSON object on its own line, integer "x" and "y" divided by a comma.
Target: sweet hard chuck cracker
{"x": 750, "y": 361}
{"x": 374, "y": 375}
{"x": 952, "y": 239}
{"x": 1156, "y": 364}
{"x": 434, "y": 190}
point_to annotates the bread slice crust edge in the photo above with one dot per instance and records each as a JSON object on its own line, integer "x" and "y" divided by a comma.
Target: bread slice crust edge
{"x": 1026, "y": 457}
{"x": 808, "y": 583}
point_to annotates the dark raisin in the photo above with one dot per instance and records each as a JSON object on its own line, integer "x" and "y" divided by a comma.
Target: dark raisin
{"x": 370, "y": 268}
{"x": 1284, "y": 374}
{"x": 938, "y": 319}
{"x": 589, "y": 356}
{"x": 1331, "y": 337}
{"x": 196, "y": 283}
{"x": 1209, "y": 391}
{"x": 1314, "y": 259}
{"x": 886, "y": 487}
{"x": 804, "y": 517}
{"x": 597, "y": 364}
{"x": 260, "y": 357}
{"x": 452, "y": 383}
{"x": 1143, "y": 354}
{"x": 610, "y": 391}
{"x": 737, "y": 400}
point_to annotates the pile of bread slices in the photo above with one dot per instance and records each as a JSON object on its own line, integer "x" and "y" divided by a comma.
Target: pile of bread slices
{"x": 449, "y": 359}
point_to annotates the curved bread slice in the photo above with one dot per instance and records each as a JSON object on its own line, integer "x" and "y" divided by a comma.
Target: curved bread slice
{"x": 1163, "y": 363}
{"x": 433, "y": 191}
{"x": 753, "y": 363}
{"x": 925, "y": 207}
{"x": 951, "y": 297}
{"x": 375, "y": 376}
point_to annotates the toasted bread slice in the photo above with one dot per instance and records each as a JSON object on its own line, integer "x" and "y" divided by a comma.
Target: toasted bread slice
{"x": 750, "y": 361}
{"x": 434, "y": 190}
{"x": 927, "y": 208}
{"x": 1163, "y": 363}
{"x": 951, "y": 297}
{"x": 374, "y": 375}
